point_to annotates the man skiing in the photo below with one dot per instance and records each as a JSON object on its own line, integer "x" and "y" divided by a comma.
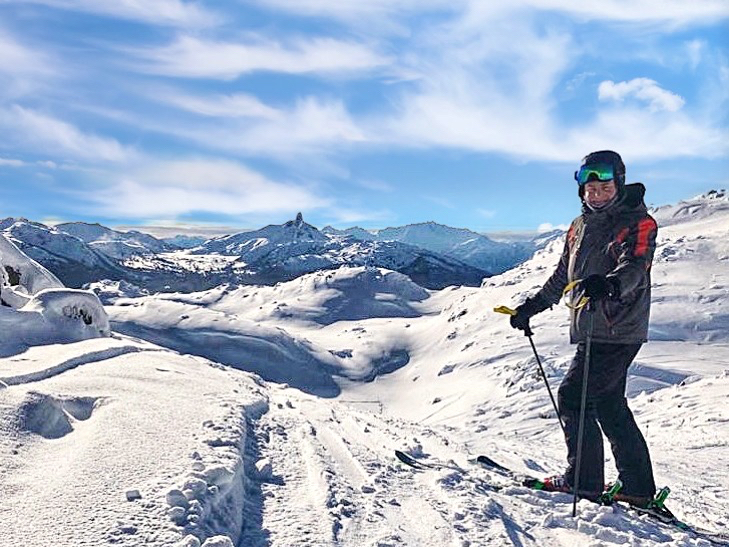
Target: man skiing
{"x": 608, "y": 251}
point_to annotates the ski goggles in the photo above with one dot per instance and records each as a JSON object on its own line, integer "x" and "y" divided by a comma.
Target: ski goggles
{"x": 602, "y": 172}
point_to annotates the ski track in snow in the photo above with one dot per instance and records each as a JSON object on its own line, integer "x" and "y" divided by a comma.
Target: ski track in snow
{"x": 336, "y": 482}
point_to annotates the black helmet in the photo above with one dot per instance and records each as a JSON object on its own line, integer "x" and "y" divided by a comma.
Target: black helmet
{"x": 604, "y": 162}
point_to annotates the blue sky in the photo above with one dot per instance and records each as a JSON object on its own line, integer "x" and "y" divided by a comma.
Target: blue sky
{"x": 373, "y": 113}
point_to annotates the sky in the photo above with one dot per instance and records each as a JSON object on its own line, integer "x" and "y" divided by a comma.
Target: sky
{"x": 373, "y": 113}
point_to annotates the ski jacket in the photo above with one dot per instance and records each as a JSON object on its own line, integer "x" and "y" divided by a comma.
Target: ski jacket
{"x": 619, "y": 243}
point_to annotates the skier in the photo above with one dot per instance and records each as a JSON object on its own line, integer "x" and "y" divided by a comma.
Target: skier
{"x": 610, "y": 248}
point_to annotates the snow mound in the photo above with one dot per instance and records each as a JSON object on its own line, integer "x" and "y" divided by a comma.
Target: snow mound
{"x": 109, "y": 291}
{"x": 178, "y": 322}
{"x": 37, "y": 310}
{"x": 326, "y": 297}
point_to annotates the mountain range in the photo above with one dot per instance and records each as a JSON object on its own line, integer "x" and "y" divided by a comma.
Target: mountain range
{"x": 433, "y": 255}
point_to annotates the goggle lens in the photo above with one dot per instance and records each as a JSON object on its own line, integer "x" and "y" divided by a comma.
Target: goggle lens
{"x": 602, "y": 172}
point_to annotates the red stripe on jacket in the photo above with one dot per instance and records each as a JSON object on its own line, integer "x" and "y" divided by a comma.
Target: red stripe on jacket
{"x": 645, "y": 228}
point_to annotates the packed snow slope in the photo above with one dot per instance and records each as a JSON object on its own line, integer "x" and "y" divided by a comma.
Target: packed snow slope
{"x": 162, "y": 435}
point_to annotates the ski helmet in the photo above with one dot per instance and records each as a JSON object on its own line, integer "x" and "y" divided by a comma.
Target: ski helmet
{"x": 602, "y": 165}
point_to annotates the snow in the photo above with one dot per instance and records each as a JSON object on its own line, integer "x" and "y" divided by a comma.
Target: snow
{"x": 252, "y": 416}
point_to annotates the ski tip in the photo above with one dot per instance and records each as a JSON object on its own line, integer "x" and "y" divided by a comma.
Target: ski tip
{"x": 488, "y": 462}
{"x": 405, "y": 458}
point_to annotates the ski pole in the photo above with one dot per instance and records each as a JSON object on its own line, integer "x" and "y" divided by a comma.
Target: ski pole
{"x": 583, "y": 404}
{"x": 528, "y": 333}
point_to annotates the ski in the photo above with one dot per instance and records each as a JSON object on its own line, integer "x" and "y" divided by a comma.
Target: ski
{"x": 439, "y": 466}
{"x": 412, "y": 462}
{"x": 656, "y": 510}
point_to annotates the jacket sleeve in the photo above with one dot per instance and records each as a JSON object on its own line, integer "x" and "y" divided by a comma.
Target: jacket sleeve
{"x": 635, "y": 255}
{"x": 551, "y": 292}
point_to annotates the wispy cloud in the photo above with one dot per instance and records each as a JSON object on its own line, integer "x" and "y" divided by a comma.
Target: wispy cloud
{"x": 644, "y": 89}
{"x": 340, "y": 216}
{"x": 375, "y": 185}
{"x": 459, "y": 104}
{"x": 192, "y": 57}
{"x": 170, "y": 189}
{"x": 694, "y": 51}
{"x": 237, "y": 105}
{"x": 159, "y": 12}
{"x": 42, "y": 133}
{"x": 549, "y": 227}
{"x": 24, "y": 69}
{"x": 642, "y": 135}
{"x": 312, "y": 126}
{"x": 17, "y": 58}
{"x": 486, "y": 213}
{"x": 9, "y": 162}
{"x": 675, "y": 12}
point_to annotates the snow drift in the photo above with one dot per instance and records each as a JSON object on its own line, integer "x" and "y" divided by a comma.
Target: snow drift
{"x": 37, "y": 310}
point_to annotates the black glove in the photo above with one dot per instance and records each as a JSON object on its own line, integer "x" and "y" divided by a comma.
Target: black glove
{"x": 520, "y": 321}
{"x": 526, "y": 311}
{"x": 598, "y": 286}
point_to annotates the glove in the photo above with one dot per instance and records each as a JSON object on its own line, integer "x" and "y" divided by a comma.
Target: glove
{"x": 523, "y": 313}
{"x": 520, "y": 321}
{"x": 598, "y": 286}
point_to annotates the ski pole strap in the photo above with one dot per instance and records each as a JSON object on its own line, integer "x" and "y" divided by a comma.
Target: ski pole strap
{"x": 582, "y": 300}
{"x": 505, "y": 310}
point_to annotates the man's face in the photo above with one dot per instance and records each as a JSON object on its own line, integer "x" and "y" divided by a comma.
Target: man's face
{"x": 598, "y": 194}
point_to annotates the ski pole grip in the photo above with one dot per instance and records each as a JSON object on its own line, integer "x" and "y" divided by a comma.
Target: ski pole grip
{"x": 505, "y": 310}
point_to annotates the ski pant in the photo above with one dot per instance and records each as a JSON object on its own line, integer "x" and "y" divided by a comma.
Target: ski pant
{"x": 608, "y": 407}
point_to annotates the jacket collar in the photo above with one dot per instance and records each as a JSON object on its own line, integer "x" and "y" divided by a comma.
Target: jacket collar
{"x": 631, "y": 200}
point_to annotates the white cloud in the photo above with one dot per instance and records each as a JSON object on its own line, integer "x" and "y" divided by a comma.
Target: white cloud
{"x": 674, "y": 12}
{"x": 643, "y": 135}
{"x": 375, "y": 185}
{"x": 311, "y": 127}
{"x": 9, "y": 162}
{"x": 359, "y": 13}
{"x": 170, "y": 189}
{"x": 196, "y": 58}
{"x": 694, "y": 51}
{"x": 460, "y": 104}
{"x": 549, "y": 227}
{"x": 238, "y": 105}
{"x": 159, "y": 12}
{"x": 486, "y": 213}
{"x": 41, "y": 133}
{"x": 16, "y": 58}
{"x": 24, "y": 70}
{"x": 644, "y": 89}
{"x": 343, "y": 216}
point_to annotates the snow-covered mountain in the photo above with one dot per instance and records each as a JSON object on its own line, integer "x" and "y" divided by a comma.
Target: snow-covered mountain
{"x": 80, "y": 253}
{"x": 77, "y": 263}
{"x": 283, "y": 252}
{"x": 161, "y": 435}
{"x": 467, "y": 246}
{"x": 116, "y": 244}
{"x": 68, "y": 257}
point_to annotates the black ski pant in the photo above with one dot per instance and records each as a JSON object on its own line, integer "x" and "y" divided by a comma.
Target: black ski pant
{"x": 606, "y": 406}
